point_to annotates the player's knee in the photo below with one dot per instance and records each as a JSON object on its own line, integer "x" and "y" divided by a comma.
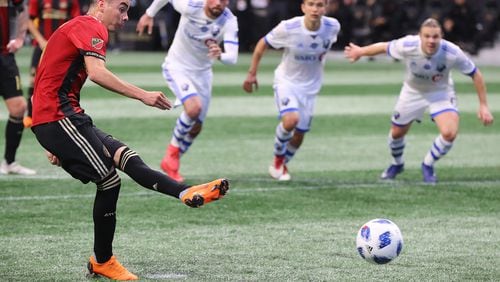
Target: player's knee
{"x": 112, "y": 180}
{"x": 16, "y": 106}
{"x": 193, "y": 112}
{"x": 449, "y": 135}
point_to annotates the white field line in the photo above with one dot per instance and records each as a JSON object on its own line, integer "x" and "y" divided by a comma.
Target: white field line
{"x": 269, "y": 189}
{"x": 248, "y": 106}
{"x": 358, "y": 77}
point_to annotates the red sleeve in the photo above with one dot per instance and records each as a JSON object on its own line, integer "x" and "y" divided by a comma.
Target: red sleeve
{"x": 91, "y": 40}
{"x": 75, "y": 9}
{"x": 33, "y": 9}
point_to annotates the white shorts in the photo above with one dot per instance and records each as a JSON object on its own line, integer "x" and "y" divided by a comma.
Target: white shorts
{"x": 185, "y": 84}
{"x": 412, "y": 104}
{"x": 290, "y": 99}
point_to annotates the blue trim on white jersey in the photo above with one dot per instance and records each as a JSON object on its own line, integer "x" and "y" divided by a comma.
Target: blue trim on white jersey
{"x": 471, "y": 74}
{"x": 267, "y": 42}
{"x": 231, "y": 42}
{"x": 301, "y": 130}
{"x": 289, "y": 110}
{"x": 388, "y": 51}
{"x": 443, "y": 111}
{"x": 188, "y": 96}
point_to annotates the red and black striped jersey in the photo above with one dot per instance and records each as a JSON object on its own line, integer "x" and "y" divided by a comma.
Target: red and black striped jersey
{"x": 61, "y": 72}
{"x": 52, "y": 13}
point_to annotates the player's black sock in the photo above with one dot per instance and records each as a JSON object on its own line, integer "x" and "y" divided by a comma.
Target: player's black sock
{"x": 30, "y": 106}
{"x": 104, "y": 215}
{"x": 13, "y": 134}
{"x": 132, "y": 164}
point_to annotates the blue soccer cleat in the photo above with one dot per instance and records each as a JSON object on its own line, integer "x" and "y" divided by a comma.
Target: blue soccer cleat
{"x": 428, "y": 174}
{"x": 392, "y": 171}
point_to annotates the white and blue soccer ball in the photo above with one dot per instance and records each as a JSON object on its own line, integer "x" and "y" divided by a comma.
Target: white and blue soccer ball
{"x": 379, "y": 241}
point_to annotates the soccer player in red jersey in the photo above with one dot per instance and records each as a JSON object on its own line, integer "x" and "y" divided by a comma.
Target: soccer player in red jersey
{"x": 45, "y": 17}
{"x": 13, "y": 25}
{"x": 75, "y": 51}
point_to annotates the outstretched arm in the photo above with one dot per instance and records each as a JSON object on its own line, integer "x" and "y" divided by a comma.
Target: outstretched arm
{"x": 251, "y": 80}
{"x": 146, "y": 20}
{"x": 353, "y": 52}
{"x": 483, "y": 113}
{"x": 98, "y": 73}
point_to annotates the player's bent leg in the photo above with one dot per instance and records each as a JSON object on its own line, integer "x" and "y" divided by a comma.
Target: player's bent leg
{"x": 111, "y": 269}
{"x": 130, "y": 163}
{"x": 198, "y": 195}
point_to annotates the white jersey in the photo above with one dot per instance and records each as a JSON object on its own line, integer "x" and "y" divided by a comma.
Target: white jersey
{"x": 304, "y": 52}
{"x": 195, "y": 32}
{"x": 427, "y": 74}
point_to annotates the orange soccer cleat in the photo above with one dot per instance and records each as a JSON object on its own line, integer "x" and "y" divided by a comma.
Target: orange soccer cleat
{"x": 198, "y": 195}
{"x": 111, "y": 269}
{"x": 171, "y": 162}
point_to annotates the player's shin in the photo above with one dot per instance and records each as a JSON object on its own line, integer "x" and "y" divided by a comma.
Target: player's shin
{"x": 439, "y": 148}
{"x": 134, "y": 166}
{"x": 281, "y": 139}
{"x": 104, "y": 215}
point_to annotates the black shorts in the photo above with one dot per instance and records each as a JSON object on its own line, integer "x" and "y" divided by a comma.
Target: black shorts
{"x": 84, "y": 150}
{"x": 10, "y": 81}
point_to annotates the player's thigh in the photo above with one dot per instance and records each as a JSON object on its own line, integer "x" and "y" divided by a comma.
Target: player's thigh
{"x": 78, "y": 147}
{"x": 285, "y": 99}
{"x": 306, "y": 112}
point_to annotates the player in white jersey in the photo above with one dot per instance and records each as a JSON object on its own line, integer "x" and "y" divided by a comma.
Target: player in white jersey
{"x": 204, "y": 26}
{"x": 298, "y": 78}
{"x": 428, "y": 85}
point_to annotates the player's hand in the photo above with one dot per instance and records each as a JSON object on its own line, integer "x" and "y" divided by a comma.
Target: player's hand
{"x": 156, "y": 99}
{"x": 214, "y": 50}
{"x": 485, "y": 115}
{"x": 250, "y": 84}
{"x": 352, "y": 52}
{"x": 145, "y": 21}
{"x": 53, "y": 159}
{"x": 14, "y": 45}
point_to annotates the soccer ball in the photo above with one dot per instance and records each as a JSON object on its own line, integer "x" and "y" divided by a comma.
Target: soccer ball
{"x": 379, "y": 241}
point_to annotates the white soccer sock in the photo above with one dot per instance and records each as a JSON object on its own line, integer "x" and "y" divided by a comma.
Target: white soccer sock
{"x": 397, "y": 147}
{"x": 290, "y": 152}
{"x": 439, "y": 148}
{"x": 182, "y": 127}
{"x": 281, "y": 140}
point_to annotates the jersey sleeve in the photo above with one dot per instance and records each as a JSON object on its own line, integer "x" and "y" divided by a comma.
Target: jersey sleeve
{"x": 464, "y": 63}
{"x": 277, "y": 38}
{"x": 231, "y": 42}
{"x": 91, "y": 40}
{"x": 397, "y": 47}
{"x": 182, "y": 6}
